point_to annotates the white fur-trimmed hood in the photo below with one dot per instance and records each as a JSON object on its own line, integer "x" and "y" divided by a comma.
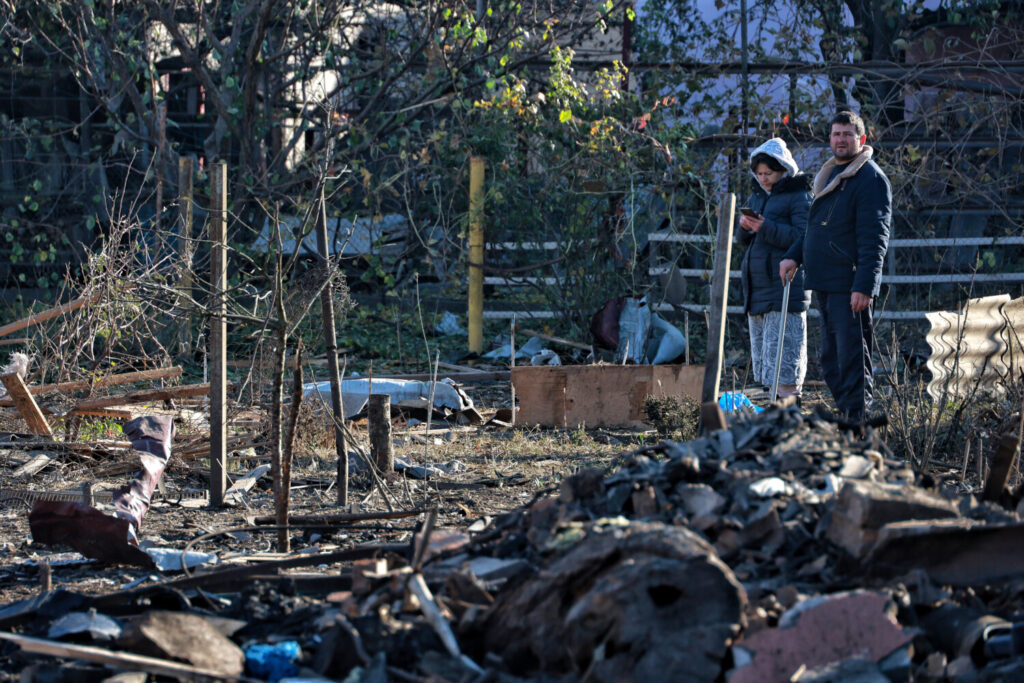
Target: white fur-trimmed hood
{"x": 822, "y": 185}
{"x": 776, "y": 148}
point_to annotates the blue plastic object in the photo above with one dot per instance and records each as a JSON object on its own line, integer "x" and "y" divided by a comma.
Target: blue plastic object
{"x": 273, "y": 662}
{"x": 733, "y": 400}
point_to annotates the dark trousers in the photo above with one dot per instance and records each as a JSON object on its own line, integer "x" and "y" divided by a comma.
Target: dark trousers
{"x": 846, "y": 353}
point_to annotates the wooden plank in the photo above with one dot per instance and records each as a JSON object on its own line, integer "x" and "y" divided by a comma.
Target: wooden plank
{"x": 218, "y": 353}
{"x": 119, "y": 660}
{"x": 103, "y": 412}
{"x": 711, "y": 417}
{"x": 719, "y": 297}
{"x": 144, "y": 396}
{"x": 614, "y": 395}
{"x": 25, "y": 404}
{"x": 541, "y": 392}
{"x": 677, "y": 380}
{"x": 33, "y": 466}
{"x": 598, "y": 395}
{"x": 104, "y": 381}
{"x": 36, "y": 318}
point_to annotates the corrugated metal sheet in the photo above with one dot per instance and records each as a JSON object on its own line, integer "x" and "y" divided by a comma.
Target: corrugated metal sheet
{"x": 978, "y": 350}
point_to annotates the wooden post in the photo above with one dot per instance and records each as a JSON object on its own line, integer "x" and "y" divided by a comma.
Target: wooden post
{"x": 1002, "y": 462}
{"x": 331, "y": 342}
{"x": 185, "y": 219}
{"x": 218, "y": 331}
{"x": 45, "y": 576}
{"x": 512, "y": 364}
{"x": 26, "y": 404}
{"x": 686, "y": 328}
{"x": 379, "y": 424}
{"x": 719, "y": 299}
{"x": 476, "y": 254}
{"x": 88, "y": 496}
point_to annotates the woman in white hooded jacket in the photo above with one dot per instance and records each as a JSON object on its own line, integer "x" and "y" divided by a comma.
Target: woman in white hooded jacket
{"x": 781, "y": 199}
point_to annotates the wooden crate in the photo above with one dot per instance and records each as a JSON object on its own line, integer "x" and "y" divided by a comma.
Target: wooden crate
{"x": 568, "y": 396}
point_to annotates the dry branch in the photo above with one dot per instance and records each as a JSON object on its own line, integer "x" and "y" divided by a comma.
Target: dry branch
{"x": 35, "y": 318}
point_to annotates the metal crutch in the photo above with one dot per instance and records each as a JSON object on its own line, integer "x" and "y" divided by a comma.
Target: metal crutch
{"x": 782, "y": 339}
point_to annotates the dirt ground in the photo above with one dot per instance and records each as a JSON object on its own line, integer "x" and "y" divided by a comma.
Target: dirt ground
{"x": 501, "y": 469}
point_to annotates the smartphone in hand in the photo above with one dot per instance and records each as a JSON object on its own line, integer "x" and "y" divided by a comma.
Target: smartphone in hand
{"x": 747, "y": 211}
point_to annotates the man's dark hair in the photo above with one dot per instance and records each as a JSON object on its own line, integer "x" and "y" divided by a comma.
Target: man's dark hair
{"x": 763, "y": 158}
{"x": 848, "y": 118}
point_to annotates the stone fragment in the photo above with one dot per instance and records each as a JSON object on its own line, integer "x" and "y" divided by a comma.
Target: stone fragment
{"x": 700, "y": 500}
{"x": 819, "y": 632}
{"x": 952, "y": 551}
{"x": 864, "y": 507}
{"x": 185, "y": 638}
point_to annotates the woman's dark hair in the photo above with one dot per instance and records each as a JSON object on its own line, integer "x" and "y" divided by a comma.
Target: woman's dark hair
{"x": 767, "y": 159}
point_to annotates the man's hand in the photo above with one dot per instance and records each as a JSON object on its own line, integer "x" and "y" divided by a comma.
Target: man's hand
{"x": 787, "y": 269}
{"x": 858, "y": 301}
{"x": 751, "y": 224}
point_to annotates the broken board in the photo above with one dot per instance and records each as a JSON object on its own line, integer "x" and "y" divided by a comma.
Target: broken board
{"x": 568, "y": 396}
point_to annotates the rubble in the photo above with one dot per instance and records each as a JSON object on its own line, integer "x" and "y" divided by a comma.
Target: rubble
{"x": 865, "y": 507}
{"x": 783, "y": 547}
{"x": 821, "y": 632}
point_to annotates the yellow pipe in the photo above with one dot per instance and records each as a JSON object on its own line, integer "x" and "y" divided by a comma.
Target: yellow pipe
{"x": 476, "y": 254}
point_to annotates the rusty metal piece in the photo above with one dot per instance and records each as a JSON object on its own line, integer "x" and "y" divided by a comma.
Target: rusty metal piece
{"x": 87, "y": 530}
{"x": 27, "y": 496}
{"x": 96, "y": 535}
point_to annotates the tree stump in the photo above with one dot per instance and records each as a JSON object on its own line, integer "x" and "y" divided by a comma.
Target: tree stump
{"x": 646, "y": 601}
{"x": 379, "y": 426}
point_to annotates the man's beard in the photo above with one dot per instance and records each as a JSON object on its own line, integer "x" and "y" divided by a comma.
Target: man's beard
{"x": 845, "y": 156}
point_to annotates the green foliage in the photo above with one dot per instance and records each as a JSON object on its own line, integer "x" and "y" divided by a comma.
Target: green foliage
{"x": 565, "y": 164}
{"x": 673, "y": 417}
{"x": 396, "y": 339}
{"x": 94, "y": 429}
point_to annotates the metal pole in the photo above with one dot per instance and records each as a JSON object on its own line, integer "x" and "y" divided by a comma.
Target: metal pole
{"x": 627, "y": 43}
{"x": 218, "y": 332}
{"x": 782, "y": 339}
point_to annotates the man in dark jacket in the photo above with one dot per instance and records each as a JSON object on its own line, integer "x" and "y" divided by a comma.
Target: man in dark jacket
{"x": 843, "y": 251}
